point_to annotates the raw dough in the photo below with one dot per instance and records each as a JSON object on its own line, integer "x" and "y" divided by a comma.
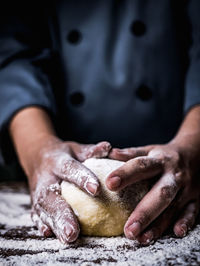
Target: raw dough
{"x": 106, "y": 214}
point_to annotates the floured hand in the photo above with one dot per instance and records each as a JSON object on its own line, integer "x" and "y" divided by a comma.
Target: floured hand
{"x": 59, "y": 161}
{"x": 47, "y": 161}
{"x": 172, "y": 200}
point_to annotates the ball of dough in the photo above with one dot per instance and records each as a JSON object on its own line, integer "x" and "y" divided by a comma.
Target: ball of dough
{"x": 105, "y": 214}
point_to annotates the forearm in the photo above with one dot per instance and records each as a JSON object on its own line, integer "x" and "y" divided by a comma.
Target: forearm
{"x": 28, "y": 129}
{"x": 187, "y": 139}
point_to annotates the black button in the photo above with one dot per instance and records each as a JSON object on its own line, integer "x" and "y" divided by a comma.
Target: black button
{"x": 76, "y": 98}
{"x": 138, "y": 28}
{"x": 144, "y": 93}
{"x": 74, "y": 36}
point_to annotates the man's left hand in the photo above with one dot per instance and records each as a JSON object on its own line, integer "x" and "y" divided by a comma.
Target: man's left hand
{"x": 173, "y": 199}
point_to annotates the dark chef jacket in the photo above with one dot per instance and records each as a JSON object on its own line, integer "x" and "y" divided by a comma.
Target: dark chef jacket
{"x": 125, "y": 71}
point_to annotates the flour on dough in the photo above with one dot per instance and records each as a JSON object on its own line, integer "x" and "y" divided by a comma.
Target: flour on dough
{"x": 106, "y": 214}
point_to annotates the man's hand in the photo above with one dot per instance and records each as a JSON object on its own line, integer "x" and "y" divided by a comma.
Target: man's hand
{"x": 47, "y": 161}
{"x": 174, "y": 198}
{"x": 55, "y": 162}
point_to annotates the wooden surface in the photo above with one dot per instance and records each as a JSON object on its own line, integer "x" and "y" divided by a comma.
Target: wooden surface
{"x": 21, "y": 243}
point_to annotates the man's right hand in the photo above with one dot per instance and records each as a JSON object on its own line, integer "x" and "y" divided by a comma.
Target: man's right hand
{"x": 47, "y": 161}
{"x": 55, "y": 162}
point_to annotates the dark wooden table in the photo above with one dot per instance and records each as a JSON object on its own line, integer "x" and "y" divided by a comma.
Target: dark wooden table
{"x": 21, "y": 243}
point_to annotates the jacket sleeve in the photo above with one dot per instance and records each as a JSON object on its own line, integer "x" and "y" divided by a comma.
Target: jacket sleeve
{"x": 192, "y": 85}
{"x": 24, "y": 55}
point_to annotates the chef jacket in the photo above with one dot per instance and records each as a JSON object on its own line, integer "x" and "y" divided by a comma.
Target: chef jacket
{"x": 125, "y": 71}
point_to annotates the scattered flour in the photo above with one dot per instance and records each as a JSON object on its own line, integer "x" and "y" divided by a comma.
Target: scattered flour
{"x": 12, "y": 211}
{"x": 22, "y": 245}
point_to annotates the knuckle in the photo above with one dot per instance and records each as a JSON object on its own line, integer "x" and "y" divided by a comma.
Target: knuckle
{"x": 100, "y": 150}
{"x": 55, "y": 187}
{"x": 150, "y": 163}
{"x": 167, "y": 193}
{"x": 37, "y": 207}
{"x": 89, "y": 152}
{"x": 157, "y": 153}
{"x": 67, "y": 165}
{"x": 172, "y": 156}
{"x": 179, "y": 176}
{"x": 131, "y": 150}
{"x": 106, "y": 146}
{"x": 142, "y": 163}
{"x": 144, "y": 218}
{"x": 38, "y": 197}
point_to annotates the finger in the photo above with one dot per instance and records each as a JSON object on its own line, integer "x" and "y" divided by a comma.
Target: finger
{"x": 129, "y": 153}
{"x": 74, "y": 172}
{"x": 159, "y": 226}
{"x": 58, "y": 215}
{"x": 187, "y": 219}
{"x": 151, "y": 206}
{"x": 100, "y": 150}
{"x": 44, "y": 229}
{"x": 133, "y": 171}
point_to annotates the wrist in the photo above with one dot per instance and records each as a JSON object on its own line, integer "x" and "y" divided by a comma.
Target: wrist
{"x": 187, "y": 140}
{"x": 30, "y": 128}
{"x": 33, "y": 151}
{"x": 188, "y": 150}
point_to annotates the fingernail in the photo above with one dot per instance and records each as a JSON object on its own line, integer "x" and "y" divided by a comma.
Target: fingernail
{"x": 43, "y": 230}
{"x": 147, "y": 238}
{"x": 68, "y": 231}
{"x": 71, "y": 234}
{"x": 184, "y": 229}
{"x": 129, "y": 235}
{"x": 47, "y": 233}
{"x": 92, "y": 188}
{"x": 115, "y": 181}
{"x": 133, "y": 230}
